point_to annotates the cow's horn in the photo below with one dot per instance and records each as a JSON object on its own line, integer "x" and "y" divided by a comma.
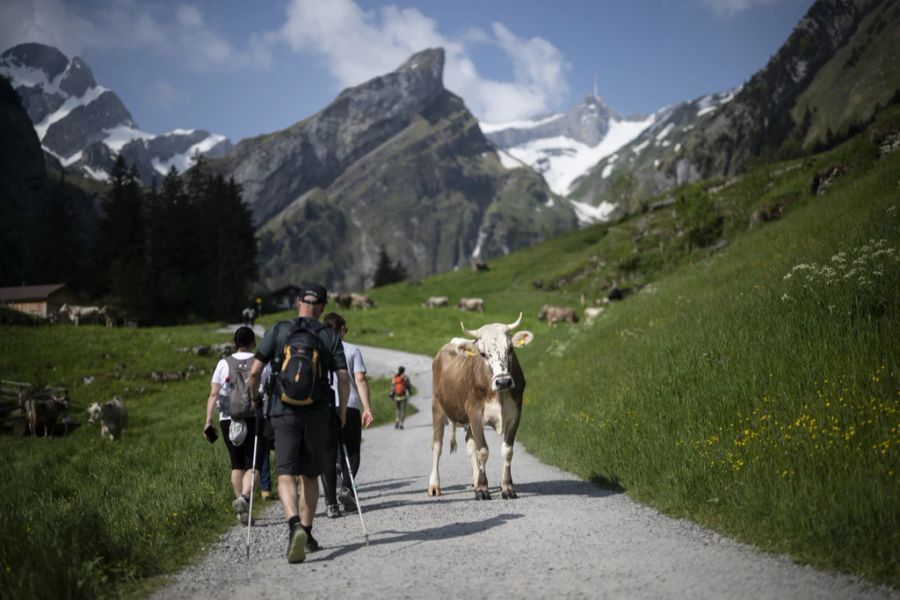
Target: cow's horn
{"x": 518, "y": 322}
{"x": 467, "y": 332}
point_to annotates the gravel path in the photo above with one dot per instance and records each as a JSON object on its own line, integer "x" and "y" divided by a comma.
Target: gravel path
{"x": 561, "y": 537}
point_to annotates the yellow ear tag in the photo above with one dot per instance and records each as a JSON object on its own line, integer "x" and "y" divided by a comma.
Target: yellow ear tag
{"x": 521, "y": 342}
{"x": 469, "y": 353}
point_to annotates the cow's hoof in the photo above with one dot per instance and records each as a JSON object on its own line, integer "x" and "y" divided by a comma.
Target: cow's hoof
{"x": 434, "y": 490}
{"x": 482, "y": 495}
{"x": 508, "y": 494}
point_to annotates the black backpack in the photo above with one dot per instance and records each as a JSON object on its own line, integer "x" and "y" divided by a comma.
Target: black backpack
{"x": 300, "y": 366}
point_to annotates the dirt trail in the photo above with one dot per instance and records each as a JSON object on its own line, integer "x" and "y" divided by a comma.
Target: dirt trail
{"x": 561, "y": 537}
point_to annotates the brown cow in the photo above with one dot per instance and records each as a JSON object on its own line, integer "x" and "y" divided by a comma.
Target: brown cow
{"x": 555, "y": 314}
{"x": 361, "y": 301}
{"x": 342, "y": 300}
{"x": 43, "y": 412}
{"x": 476, "y": 383}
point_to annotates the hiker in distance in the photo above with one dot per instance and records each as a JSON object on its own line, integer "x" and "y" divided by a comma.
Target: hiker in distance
{"x": 400, "y": 395}
{"x": 238, "y": 422}
{"x": 304, "y": 353}
{"x": 356, "y": 420}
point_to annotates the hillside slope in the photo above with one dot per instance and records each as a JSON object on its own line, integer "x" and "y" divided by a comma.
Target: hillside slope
{"x": 752, "y": 382}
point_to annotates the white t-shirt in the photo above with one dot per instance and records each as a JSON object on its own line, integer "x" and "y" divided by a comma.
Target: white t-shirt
{"x": 221, "y": 374}
{"x": 355, "y": 365}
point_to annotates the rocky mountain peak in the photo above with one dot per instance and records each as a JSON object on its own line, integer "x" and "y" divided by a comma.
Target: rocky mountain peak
{"x": 36, "y": 56}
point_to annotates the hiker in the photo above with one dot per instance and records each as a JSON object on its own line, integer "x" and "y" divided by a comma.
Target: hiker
{"x": 239, "y": 434}
{"x": 304, "y": 354}
{"x": 249, "y": 315}
{"x": 265, "y": 476}
{"x": 352, "y": 432}
{"x": 400, "y": 395}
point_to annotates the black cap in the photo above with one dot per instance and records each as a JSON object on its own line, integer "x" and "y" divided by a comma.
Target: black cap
{"x": 314, "y": 289}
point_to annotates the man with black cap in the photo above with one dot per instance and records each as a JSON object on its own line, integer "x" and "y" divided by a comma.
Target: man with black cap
{"x": 301, "y": 424}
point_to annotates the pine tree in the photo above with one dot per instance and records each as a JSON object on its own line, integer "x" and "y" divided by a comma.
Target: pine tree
{"x": 387, "y": 272}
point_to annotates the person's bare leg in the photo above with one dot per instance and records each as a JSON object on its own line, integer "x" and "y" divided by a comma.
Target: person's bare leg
{"x": 237, "y": 481}
{"x": 309, "y": 499}
{"x": 247, "y": 483}
{"x": 287, "y": 493}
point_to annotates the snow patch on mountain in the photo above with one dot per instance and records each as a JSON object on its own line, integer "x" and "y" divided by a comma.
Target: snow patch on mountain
{"x": 588, "y": 214}
{"x": 562, "y": 160}
{"x": 527, "y": 124}
{"x": 68, "y": 106}
{"x": 184, "y": 160}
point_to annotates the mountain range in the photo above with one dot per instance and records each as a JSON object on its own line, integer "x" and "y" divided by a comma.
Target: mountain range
{"x": 399, "y": 162}
{"x": 85, "y": 126}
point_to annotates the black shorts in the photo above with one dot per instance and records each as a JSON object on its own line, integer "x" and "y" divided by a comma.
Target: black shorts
{"x": 242, "y": 456}
{"x": 301, "y": 440}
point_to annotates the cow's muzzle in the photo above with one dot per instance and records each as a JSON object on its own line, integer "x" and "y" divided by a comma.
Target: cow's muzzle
{"x": 503, "y": 382}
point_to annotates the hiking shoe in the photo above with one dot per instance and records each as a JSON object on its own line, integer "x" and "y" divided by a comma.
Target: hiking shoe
{"x": 246, "y": 519}
{"x": 332, "y": 511}
{"x": 297, "y": 542}
{"x": 240, "y": 505}
{"x": 267, "y": 495}
{"x": 345, "y": 497}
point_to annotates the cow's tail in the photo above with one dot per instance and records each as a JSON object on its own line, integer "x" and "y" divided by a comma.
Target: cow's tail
{"x": 452, "y": 438}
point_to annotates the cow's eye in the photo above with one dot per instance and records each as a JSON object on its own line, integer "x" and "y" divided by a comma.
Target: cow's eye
{"x": 483, "y": 355}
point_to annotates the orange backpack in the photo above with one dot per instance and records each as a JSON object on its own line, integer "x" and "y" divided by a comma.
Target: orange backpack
{"x": 399, "y": 386}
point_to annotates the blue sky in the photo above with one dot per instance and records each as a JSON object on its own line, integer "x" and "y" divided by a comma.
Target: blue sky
{"x": 245, "y": 68}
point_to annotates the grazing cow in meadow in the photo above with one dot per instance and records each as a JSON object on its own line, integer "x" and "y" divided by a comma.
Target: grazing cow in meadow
{"x": 42, "y": 413}
{"x": 342, "y": 300}
{"x": 471, "y": 304}
{"x": 480, "y": 265}
{"x": 478, "y": 382}
{"x": 437, "y": 302}
{"x": 556, "y": 314}
{"x": 113, "y": 417}
{"x": 77, "y": 314}
{"x": 361, "y": 301}
{"x": 592, "y": 312}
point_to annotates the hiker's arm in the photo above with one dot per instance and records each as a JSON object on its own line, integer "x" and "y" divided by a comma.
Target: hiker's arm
{"x": 362, "y": 387}
{"x": 253, "y": 379}
{"x": 211, "y": 404}
{"x": 343, "y": 394}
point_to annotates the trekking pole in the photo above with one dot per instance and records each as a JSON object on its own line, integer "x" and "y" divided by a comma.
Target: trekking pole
{"x": 353, "y": 483}
{"x": 252, "y": 482}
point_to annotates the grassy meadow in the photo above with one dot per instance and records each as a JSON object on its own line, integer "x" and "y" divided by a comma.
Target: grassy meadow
{"x": 751, "y": 383}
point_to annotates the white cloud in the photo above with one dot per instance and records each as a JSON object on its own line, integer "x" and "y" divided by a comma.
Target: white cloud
{"x": 183, "y": 34}
{"x": 357, "y": 45}
{"x": 729, "y": 8}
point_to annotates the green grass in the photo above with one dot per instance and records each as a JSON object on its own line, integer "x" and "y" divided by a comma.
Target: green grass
{"x": 85, "y": 517}
{"x": 762, "y": 406}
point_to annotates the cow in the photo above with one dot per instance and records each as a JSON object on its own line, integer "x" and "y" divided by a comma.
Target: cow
{"x": 437, "y": 301}
{"x": 342, "y": 300}
{"x": 361, "y": 301}
{"x": 480, "y": 266}
{"x": 471, "y": 304}
{"x": 478, "y": 382}
{"x": 113, "y": 417}
{"x": 109, "y": 315}
{"x": 592, "y": 312}
{"x": 76, "y": 314}
{"x": 555, "y": 314}
{"x": 43, "y": 412}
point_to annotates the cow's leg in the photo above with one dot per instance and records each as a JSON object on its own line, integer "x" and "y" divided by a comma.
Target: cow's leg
{"x": 437, "y": 442}
{"x": 480, "y": 451}
{"x": 507, "y": 491}
{"x": 472, "y": 451}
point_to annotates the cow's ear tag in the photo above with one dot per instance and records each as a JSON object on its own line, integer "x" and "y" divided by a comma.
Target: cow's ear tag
{"x": 521, "y": 342}
{"x": 470, "y": 353}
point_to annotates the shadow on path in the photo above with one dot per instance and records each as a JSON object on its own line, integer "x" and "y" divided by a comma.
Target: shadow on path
{"x": 443, "y": 532}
